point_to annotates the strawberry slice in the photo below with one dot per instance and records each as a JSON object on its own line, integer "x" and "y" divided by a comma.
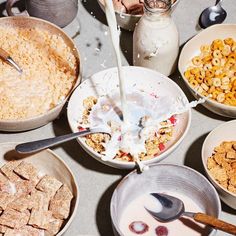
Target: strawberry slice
{"x": 161, "y": 146}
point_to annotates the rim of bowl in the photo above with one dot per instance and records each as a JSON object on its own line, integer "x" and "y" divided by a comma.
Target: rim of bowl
{"x": 72, "y": 216}
{"x": 135, "y": 16}
{"x": 185, "y": 79}
{"x": 170, "y": 165}
{"x": 147, "y": 162}
{"x": 204, "y": 163}
{"x": 77, "y": 80}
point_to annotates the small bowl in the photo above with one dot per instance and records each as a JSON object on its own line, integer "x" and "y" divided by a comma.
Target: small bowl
{"x": 224, "y": 132}
{"x": 164, "y": 178}
{"x": 49, "y": 163}
{"x": 128, "y": 21}
{"x": 192, "y": 48}
{"x": 17, "y": 125}
{"x": 137, "y": 78}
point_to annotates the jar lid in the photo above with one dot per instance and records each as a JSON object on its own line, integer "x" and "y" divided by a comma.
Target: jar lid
{"x": 157, "y": 5}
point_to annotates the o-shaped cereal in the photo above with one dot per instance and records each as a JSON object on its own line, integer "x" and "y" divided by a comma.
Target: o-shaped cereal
{"x": 197, "y": 61}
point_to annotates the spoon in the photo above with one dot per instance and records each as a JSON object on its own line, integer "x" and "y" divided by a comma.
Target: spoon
{"x": 6, "y": 57}
{"x": 212, "y": 15}
{"x": 34, "y": 146}
{"x": 173, "y": 208}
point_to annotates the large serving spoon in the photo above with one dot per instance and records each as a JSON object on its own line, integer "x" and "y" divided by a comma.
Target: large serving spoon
{"x": 212, "y": 15}
{"x": 34, "y": 146}
{"x": 173, "y": 208}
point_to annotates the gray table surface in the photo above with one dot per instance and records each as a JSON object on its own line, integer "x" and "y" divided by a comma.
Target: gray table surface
{"x": 97, "y": 181}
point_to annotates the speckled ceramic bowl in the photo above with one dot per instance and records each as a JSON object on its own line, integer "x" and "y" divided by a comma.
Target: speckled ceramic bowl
{"x": 40, "y": 120}
{"x": 192, "y": 48}
{"x": 140, "y": 79}
{"x": 49, "y": 163}
{"x": 165, "y": 178}
{"x": 128, "y": 21}
{"x": 224, "y": 132}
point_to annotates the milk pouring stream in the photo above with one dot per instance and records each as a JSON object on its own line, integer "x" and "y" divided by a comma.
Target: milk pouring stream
{"x": 156, "y": 38}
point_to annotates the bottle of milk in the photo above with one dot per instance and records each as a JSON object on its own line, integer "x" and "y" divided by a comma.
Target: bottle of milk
{"x": 156, "y": 38}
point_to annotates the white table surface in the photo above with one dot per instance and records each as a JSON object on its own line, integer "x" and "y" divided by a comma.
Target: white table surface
{"x": 97, "y": 181}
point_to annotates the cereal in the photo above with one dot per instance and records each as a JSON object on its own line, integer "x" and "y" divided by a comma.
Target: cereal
{"x": 152, "y": 145}
{"x": 49, "y": 185}
{"x": 49, "y": 72}
{"x": 24, "y": 210}
{"x": 222, "y": 165}
{"x": 218, "y": 61}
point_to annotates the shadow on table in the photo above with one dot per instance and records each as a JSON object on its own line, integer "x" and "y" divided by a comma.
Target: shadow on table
{"x": 193, "y": 157}
{"x": 103, "y": 217}
{"x": 75, "y": 151}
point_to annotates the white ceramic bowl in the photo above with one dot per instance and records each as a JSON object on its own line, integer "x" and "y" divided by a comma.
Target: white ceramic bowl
{"x": 40, "y": 120}
{"x": 224, "y": 132}
{"x": 49, "y": 163}
{"x": 139, "y": 78}
{"x": 192, "y": 48}
{"x": 164, "y": 178}
{"x": 128, "y": 21}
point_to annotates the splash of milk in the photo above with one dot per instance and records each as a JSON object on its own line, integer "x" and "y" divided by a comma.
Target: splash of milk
{"x": 115, "y": 37}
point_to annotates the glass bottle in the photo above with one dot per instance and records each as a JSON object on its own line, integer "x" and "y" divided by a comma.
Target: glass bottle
{"x": 156, "y": 38}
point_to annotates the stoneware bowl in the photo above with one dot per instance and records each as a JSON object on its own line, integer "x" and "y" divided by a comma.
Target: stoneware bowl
{"x": 37, "y": 121}
{"x": 140, "y": 79}
{"x": 165, "y": 178}
{"x": 224, "y": 132}
{"x": 128, "y": 21}
{"x": 49, "y": 163}
{"x": 192, "y": 48}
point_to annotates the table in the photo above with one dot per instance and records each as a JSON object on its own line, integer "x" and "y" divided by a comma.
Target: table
{"x": 97, "y": 181}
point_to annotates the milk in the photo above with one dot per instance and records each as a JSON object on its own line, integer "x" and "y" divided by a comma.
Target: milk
{"x": 156, "y": 43}
{"x": 136, "y": 211}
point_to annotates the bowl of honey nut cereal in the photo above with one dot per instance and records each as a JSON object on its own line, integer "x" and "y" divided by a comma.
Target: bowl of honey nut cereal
{"x": 157, "y": 117}
{"x": 208, "y": 66}
{"x": 128, "y": 12}
{"x": 219, "y": 160}
{"x": 50, "y": 71}
{"x": 35, "y": 197}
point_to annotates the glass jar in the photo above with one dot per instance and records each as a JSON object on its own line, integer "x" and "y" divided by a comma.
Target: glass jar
{"x": 156, "y": 38}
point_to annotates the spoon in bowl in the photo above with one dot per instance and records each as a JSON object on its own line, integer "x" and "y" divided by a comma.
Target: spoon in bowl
{"x": 173, "y": 208}
{"x": 34, "y": 146}
{"x": 212, "y": 15}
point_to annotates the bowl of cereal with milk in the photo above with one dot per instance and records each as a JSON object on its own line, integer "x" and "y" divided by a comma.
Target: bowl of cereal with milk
{"x": 157, "y": 116}
{"x": 219, "y": 161}
{"x": 35, "y": 197}
{"x": 128, "y": 12}
{"x": 132, "y": 199}
{"x": 207, "y": 64}
{"x": 51, "y": 67}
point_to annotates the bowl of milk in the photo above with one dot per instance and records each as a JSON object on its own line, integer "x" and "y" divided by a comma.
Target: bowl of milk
{"x": 132, "y": 196}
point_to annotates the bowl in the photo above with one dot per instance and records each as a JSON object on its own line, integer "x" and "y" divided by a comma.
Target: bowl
{"x": 128, "y": 21}
{"x": 50, "y": 163}
{"x": 13, "y": 125}
{"x": 138, "y": 79}
{"x": 163, "y": 178}
{"x": 224, "y": 132}
{"x": 192, "y": 48}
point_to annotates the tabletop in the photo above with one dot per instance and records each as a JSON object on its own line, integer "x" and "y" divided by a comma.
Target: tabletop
{"x": 96, "y": 181}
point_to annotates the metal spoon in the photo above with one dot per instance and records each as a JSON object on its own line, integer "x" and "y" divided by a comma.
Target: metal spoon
{"x": 6, "y": 57}
{"x": 34, "y": 146}
{"x": 173, "y": 208}
{"x": 212, "y": 15}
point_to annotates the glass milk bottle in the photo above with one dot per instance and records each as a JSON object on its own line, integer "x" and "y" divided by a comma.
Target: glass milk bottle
{"x": 156, "y": 38}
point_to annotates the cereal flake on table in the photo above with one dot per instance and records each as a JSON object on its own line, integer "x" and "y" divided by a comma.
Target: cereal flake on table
{"x": 222, "y": 165}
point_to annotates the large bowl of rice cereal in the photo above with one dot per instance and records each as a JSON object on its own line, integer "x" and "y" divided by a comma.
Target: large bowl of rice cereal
{"x": 51, "y": 68}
